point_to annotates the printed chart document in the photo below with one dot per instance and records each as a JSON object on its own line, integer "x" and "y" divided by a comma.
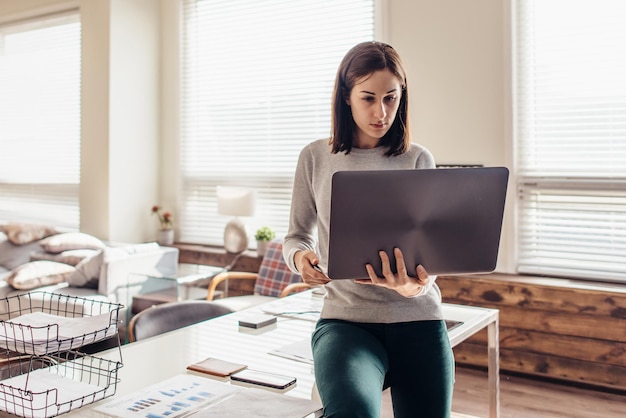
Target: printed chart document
{"x": 179, "y": 396}
{"x": 185, "y": 395}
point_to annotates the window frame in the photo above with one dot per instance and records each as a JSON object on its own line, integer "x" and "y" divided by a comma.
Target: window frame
{"x": 380, "y": 16}
{"x": 543, "y": 194}
{"x": 45, "y": 200}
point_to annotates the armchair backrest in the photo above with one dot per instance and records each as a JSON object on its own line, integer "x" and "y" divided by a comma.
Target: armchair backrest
{"x": 274, "y": 275}
{"x": 172, "y": 315}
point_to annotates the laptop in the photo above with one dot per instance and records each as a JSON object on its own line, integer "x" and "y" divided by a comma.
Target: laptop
{"x": 447, "y": 219}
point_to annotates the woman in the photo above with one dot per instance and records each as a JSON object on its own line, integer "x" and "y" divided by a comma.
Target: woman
{"x": 382, "y": 331}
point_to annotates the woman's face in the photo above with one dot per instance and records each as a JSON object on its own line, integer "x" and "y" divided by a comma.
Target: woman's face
{"x": 374, "y": 101}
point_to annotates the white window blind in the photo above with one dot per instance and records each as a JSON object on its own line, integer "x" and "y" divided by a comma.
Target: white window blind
{"x": 257, "y": 80}
{"x": 40, "y": 120}
{"x": 571, "y": 138}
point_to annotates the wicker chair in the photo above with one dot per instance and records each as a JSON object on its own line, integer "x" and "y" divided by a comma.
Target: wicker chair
{"x": 273, "y": 280}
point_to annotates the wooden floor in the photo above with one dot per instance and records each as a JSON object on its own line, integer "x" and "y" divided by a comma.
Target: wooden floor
{"x": 527, "y": 398}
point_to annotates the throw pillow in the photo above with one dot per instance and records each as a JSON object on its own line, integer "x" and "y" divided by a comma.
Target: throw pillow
{"x": 38, "y": 273}
{"x": 87, "y": 272}
{"x": 71, "y": 257}
{"x": 71, "y": 241}
{"x": 12, "y": 255}
{"x": 274, "y": 274}
{"x": 24, "y": 233}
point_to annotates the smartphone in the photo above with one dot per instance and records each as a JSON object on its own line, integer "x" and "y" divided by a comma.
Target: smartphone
{"x": 256, "y": 377}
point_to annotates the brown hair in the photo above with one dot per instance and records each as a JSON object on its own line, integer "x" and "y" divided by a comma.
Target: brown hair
{"x": 362, "y": 60}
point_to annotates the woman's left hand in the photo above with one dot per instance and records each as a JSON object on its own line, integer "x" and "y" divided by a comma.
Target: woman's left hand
{"x": 401, "y": 282}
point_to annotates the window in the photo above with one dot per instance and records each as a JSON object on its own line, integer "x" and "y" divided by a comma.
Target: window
{"x": 257, "y": 80}
{"x": 571, "y": 138}
{"x": 40, "y": 120}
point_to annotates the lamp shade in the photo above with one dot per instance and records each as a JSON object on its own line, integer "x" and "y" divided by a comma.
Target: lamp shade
{"x": 235, "y": 201}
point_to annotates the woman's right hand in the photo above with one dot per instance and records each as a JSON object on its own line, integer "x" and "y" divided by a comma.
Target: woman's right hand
{"x": 307, "y": 264}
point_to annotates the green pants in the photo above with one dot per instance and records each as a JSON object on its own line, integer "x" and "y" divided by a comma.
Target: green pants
{"x": 354, "y": 362}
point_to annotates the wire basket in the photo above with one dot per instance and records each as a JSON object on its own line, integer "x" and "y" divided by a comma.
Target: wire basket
{"x": 42, "y": 323}
{"x": 51, "y": 385}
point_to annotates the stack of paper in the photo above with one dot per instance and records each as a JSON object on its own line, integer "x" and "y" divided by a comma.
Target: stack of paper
{"x": 41, "y": 333}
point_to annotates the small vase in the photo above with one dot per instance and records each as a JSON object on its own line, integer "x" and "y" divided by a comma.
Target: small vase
{"x": 165, "y": 236}
{"x": 261, "y": 247}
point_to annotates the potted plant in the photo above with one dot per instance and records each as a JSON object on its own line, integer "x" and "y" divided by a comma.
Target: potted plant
{"x": 263, "y": 236}
{"x": 166, "y": 231}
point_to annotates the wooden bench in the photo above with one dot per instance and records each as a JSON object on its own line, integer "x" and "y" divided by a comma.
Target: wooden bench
{"x": 554, "y": 328}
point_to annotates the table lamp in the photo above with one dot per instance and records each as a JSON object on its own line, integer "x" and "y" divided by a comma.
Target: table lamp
{"x": 235, "y": 201}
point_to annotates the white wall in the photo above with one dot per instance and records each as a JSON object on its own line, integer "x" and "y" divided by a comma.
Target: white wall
{"x": 458, "y": 59}
{"x": 134, "y": 118}
{"x": 456, "y": 53}
{"x": 17, "y": 9}
{"x": 95, "y": 117}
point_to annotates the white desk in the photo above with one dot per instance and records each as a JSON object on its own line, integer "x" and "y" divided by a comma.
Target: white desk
{"x": 154, "y": 360}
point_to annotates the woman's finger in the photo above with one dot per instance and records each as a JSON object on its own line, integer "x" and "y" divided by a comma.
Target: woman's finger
{"x": 386, "y": 270}
{"x": 371, "y": 274}
{"x": 400, "y": 265}
{"x": 422, "y": 274}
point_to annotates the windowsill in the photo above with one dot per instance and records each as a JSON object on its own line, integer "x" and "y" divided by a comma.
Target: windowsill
{"x": 555, "y": 282}
{"x": 217, "y": 256}
{"x": 250, "y": 261}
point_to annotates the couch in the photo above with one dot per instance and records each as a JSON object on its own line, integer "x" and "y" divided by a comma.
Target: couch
{"x": 37, "y": 258}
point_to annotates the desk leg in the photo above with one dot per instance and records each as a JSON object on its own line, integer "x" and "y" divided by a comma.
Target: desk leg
{"x": 493, "y": 346}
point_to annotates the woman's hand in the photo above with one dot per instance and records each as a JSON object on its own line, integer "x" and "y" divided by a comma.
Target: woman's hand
{"x": 401, "y": 282}
{"x": 306, "y": 263}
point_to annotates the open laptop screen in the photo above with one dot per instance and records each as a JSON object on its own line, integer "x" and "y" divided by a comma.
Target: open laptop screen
{"x": 448, "y": 220}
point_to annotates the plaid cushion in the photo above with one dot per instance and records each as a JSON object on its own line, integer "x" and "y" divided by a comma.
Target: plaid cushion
{"x": 274, "y": 275}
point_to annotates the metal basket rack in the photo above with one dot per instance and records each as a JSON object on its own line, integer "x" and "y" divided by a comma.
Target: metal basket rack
{"x": 54, "y": 385}
{"x": 42, "y": 371}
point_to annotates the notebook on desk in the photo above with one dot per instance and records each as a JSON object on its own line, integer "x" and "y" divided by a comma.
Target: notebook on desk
{"x": 448, "y": 220}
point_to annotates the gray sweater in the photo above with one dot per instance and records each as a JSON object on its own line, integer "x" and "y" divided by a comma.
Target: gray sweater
{"x": 310, "y": 211}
